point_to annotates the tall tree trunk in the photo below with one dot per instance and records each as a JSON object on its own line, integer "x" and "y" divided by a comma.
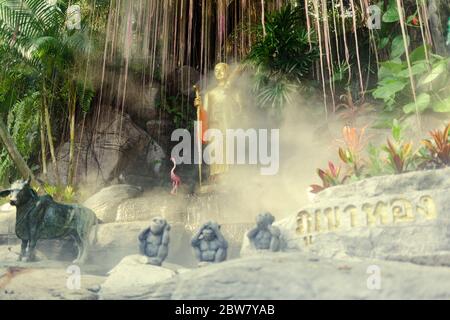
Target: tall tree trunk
{"x": 72, "y": 108}
{"x": 16, "y": 157}
{"x": 50, "y": 136}
{"x": 43, "y": 144}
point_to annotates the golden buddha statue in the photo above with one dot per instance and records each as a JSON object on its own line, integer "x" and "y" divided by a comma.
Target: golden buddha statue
{"x": 220, "y": 104}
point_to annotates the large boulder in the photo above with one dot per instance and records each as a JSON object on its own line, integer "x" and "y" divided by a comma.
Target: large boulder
{"x": 399, "y": 217}
{"x": 53, "y": 283}
{"x": 105, "y": 202}
{"x": 161, "y": 128}
{"x": 140, "y": 209}
{"x": 142, "y": 95}
{"x": 145, "y": 109}
{"x": 131, "y": 278}
{"x": 296, "y": 276}
{"x": 158, "y": 202}
{"x": 107, "y": 147}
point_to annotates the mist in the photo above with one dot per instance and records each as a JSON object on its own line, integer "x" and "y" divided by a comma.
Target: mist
{"x": 243, "y": 190}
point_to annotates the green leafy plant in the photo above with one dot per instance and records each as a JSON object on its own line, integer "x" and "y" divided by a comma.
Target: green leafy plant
{"x": 430, "y": 76}
{"x": 413, "y": 85}
{"x": 37, "y": 35}
{"x": 354, "y": 140}
{"x": 281, "y": 56}
{"x": 348, "y": 109}
{"x": 23, "y": 126}
{"x": 438, "y": 148}
{"x": 376, "y": 166}
{"x": 330, "y": 177}
{"x": 400, "y": 155}
{"x": 64, "y": 194}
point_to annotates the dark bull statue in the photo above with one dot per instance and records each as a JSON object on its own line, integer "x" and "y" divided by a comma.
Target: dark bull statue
{"x": 40, "y": 217}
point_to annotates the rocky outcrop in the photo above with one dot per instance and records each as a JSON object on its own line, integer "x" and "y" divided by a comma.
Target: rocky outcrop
{"x": 161, "y": 129}
{"x": 269, "y": 276}
{"x": 399, "y": 217}
{"x": 157, "y": 202}
{"x": 140, "y": 209}
{"x": 105, "y": 202}
{"x": 144, "y": 108}
{"x": 391, "y": 185}
{"x": 108, "y": 147}
{"x": 31, "y": 283}
{"x": 127, "y": 203}
{"x": 131, "y": 278}
{"x": 298, "y": 276}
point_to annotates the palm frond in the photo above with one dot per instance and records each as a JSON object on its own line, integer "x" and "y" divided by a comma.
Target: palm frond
{"x": 281, "y": 56}
{"x": 35, "y": 28}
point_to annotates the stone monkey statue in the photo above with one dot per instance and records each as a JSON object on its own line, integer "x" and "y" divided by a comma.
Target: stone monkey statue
{"x": 209, "y": 244}
{"x": 154, "y": 241}
{"x": 265, "y": 236}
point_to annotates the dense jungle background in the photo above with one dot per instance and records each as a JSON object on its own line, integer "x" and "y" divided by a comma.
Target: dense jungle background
{"x": 91, "y": 90}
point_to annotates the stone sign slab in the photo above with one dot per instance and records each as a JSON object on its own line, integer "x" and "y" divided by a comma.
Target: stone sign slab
{"x": 408, "y": 222}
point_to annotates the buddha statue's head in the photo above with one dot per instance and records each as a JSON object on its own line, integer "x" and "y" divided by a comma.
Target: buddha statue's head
{"x": 221, "y": 71}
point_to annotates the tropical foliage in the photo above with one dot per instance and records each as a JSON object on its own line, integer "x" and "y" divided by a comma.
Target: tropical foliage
{"x": 39, "y": 39}
{"x": 438, "y": 148}
{"x": 355, "y": 141}
{"x": 330, "y": 177}
{"x": 395, "y": 157}
{"x": 429, "y": 77}
{"x": 290, "y": 48}
{"x": 282, "y": 56}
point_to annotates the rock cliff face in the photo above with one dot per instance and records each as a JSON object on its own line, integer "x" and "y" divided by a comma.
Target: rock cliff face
{"x": 105, "y": 202}
{"x": 400, "y": 217}
{"x": 131, "y": 278}
{"x": 438, "y": 13}
{"x": 108, "y": 148}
